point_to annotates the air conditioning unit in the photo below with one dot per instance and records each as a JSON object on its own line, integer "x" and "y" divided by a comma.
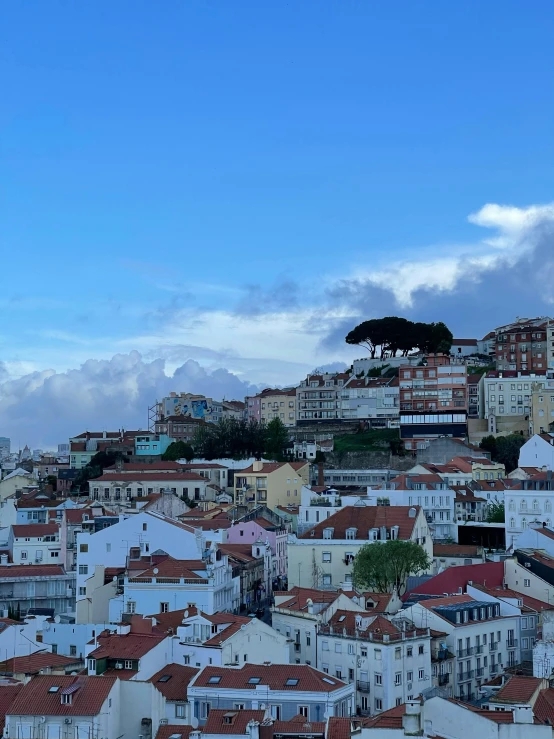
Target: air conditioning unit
{"x": 528, "y": 565}
{"x": 163, "y": 721}
{"x": 68, "y": 720}
{"x": 119, "y": 665}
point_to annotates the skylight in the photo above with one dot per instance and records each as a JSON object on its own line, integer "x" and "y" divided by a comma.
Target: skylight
{"x": 292, "y": 681}
{"x": 342, "y": 618}
{"x": 328, "y": 680}
{"x": 164, "y": 678}
{"x": 54, "y": 689}
{"x": 215, "y": 679}
{"x": 254, "y": 680}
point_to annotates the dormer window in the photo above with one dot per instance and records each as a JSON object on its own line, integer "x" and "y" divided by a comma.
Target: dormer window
{"x": 351, "y": 532}
{"x": 66, "y": 699}
{"x": 328, "y": 532}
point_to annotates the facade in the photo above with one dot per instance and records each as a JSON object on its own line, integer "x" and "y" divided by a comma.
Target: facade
{"x": 538, "y": 452}
{"x": 188, "y": 404}
{"x": 374, "y": 399}
{"x": 433, "y": 402}
{"x": 483, "y": 639}
{"x": 323, "y": 555}
{"x": 148, "y": 444}
{"x": 507, "y": 395}
{"x": 276, "y": 535}
{"x": 285, "y": 690}
{"x": 179, "y": 428}
{"x": 83, "y": 447}
{"x": 388, "y": 664}
{"x": 25, "y": 587}
{"x": 5, "y": 447}
{"x": 542, "y": 404}
{"x": 522, "y": 345}
{"x": 475, "y": 395}
{"x": 35, "y": 544}
{"x": 271, "y": 483}
{"x": 277, "y": 404}
{"x": 122, "y": 487}
{"x": 318, "y": 398}
{"x": 528, "y": 502}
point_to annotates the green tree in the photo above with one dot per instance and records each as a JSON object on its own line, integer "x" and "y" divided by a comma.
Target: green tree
{"x": 99, "y": 462}
{"x": 504, "y": 449}
{"x": 488, "y": 443}
{"x": 395, "y": 334}
{"x": 52, "y": 480}
{"x": 384, "y": 567}
{"x": 276, "y": 439}
{"x": 178, "y": 450}
{"x": 496, "y": 513}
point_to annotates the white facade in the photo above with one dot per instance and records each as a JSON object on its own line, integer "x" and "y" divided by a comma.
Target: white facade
{"x": 123, "y": 489}
{"x": 317, "y": 507}
{"x": 35, "y": 549}
{"x": 538, "y": 452}
{"x": 525, "y": 507}
{"x": 507, "y": 396}
{"x": 437, "y": 503}
{"x": 71, "y": 639}
{"x": 370, "y": 399}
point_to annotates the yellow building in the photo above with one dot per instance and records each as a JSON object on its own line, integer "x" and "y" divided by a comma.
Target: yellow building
{"x": 542, "y": 405}
{"x": 278, "y": 404}
{"x": 271, "y": 483}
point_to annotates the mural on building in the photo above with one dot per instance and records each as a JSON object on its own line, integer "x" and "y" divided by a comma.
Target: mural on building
{"x": 200, "y": 409}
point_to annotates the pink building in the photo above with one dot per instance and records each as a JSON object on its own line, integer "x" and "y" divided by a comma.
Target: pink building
{"x": 260, "y": 529}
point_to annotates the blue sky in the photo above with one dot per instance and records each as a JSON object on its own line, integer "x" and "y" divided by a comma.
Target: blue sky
{"x": 232, "y": 183}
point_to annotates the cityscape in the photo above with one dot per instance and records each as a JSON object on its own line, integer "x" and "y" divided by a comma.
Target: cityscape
{"x": 277, "y": 370}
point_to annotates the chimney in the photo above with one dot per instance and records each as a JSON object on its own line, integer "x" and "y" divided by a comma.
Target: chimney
{"x": 103, "y": 434}
{"x": 320, "y": 475}
{"x": 253, "y": 729}
{"x": 257, "y": 465}
{"x": 140, "y": 625}
{"x": 310, "y": 606}
{"x": 411, "y": 719}
{"x": 523, "y": 715}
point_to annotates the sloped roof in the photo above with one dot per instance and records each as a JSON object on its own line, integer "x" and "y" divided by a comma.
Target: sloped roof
{"x": 456, "y": 550}
{"x": 34, "y": 699}
{"x": 453, "y": 578}
{"x": 31, "y": 664}
{"x": 518, "y": 689}
{"x": 8, "y": 694}
{"x": 20, "y": 572}
{"x": 174, "y": 568}
{"x": 35, "y": 529}
{"x": 274, "y": 676}
{"x": 544, "y": 706}
{"x": 235, "y": 625}
{"x": 125, "y": 646}
{"x": 391, "y": 719}
{"x": 174, "y": 688}
{"x": 269, "y": 467}
{"x": 226, "y": 721}
{"x": 148, "y": 477}
{"x": 364, "y": 518}
{"x": 166, "y": 731}
{"x": 298, "y": 600}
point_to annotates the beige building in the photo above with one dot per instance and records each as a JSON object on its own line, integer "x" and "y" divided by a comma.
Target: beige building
{"x": 542, "y": 404}
{"x": 323, "y": 556}
{"x": 278, "y": 404}
{"x": 271, "y": 483}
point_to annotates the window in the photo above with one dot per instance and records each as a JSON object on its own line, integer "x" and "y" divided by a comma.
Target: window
{"x": 421, "y": 674}
{"x": 72, "y": 650}
{"x": 338, "y": 646}
{"x": 131, "y": 606}
{"x": 409, "y": 652}
{"x": 378, "y": 704}
{"x": 378, "y": 678}
{"x": 421, "y": 649}
{"x": 398, "y": 653}
{"x": 398, "y": 678}
{"x": 180, "y": 710}
{"x": 304, "y": 711}
{"x": 82, "y": 591}
{"x": 409, "y": 676}
{"x": 326, "y": 556}
{"x": 275, "y": 712}
{"x": 291, "y": 681}
{"x": 214, "y": 679}
{"x": 326, "y": 580}
{"x": 128, "y": 664}
{"x": 204, "y": 709}
{"x": 164, "y": 607}
{"x": 23, "y": 555}
{"x": 83, "y": 547}
{"x": 325, "y": 646}
{"x": 83, "y": 569}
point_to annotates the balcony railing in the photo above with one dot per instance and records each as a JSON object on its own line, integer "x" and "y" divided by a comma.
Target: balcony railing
{"x": 465, "y": 652}
{"x": 444, "y": 679}
{"x": 478, "y": 649}
{"x": 362, "y": 686}
{"x": 479, "y": 672}
{"x": 464, "y": 676}
{"x": 511, "y": 643}
{"x": 493, "y": 646}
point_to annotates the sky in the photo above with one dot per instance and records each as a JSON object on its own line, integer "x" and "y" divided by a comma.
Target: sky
{"x": 207, "y": 195}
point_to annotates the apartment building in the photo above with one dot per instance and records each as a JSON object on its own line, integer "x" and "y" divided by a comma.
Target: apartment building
{"x": 373, "y": 399}
{"x": 285, "y": 690}
{"x": 528, "y": 502}
{"x": 522, "y": 345}
{"x": 83, "y": 447}
{"x": 475, "y": 395}
{"x": 541, "y": 419}
{"x": 433, "y": 402}
{"x": 275, "y": 404}
{"x": 123, "y": 487}
{"x": 35, "y": 544}
{"x": 387, "y": 664}
{"x": 179, "y": 428}
{"x": 271, "y": 483}
{"x": 318, "y": 398}
{"x": 483, "y": 640}
{"x": 323, "y": 555}
{"x": 29, "y": 586}
{"x": 507, "y": 396}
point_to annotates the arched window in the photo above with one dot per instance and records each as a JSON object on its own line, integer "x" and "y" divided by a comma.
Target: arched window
{"x": 512, "y": 505}
{"x": 548, "y": 522}
{"x": 548, "y": 506}
{"x": 535, "y": 505}
{"x": 512, "y": 523}
{"x": 523, "y": 505}
{"x": 523, "y": 523}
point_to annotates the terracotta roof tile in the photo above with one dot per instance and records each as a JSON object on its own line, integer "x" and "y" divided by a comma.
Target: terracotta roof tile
{"x": 339, "y": 728}
{"x": 365, "y": 518}
{"x": 8, "y": 693}
{"x": 32, "y": 663}
{"x": 299, "y": 724}
{"x": 125, "y": 646}
{"x": 177, "y": 730}
{"x": 18, "y": 572}
{"x": 544, "y": 706}
{"x": 174, "y": 689}
{"x": 269, "y": 467}
{"x": 274, "y": 676}
{"x": 226, "y": 721}
{"x": 391, "y": 719}
{"x": 174, "y": 568}
{"x": 456, "y": 550}
{"x": 35, "y": 529}
{"x": 148, "y": 477}
{"x": 518, "y": 689}
{"x": 34, "y": 699}
{"x": 298, "y": 600}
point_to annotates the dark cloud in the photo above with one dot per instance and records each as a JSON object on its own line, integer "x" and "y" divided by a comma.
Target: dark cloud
{"x": 280, "y": 297}
{"x": 45, "y": 408}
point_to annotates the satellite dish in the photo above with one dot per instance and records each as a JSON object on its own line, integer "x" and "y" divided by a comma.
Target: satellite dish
{"x": 187, "y": 613}
{"x": 57, "y": 619}
{"x": 194, "y": 722}
{"x": 155, "y": 570}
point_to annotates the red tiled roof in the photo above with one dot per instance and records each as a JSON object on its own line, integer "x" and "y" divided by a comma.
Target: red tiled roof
{"x": 530, "y": 603}
{"x": 544, "y": 706}
{"x": 339, "y": 728}
{"x": 210, "y": 524}
{"x": 274, "y": 676}
{"x": 146, "y": 467}
{"x": 299, "y": 724}
{"x": 448, "y": 600}
{"x": 235, "y": 625}
{"x": 34, "y": 699}
{"x": 171, "y": 620}
{"x": 216, "y": 723}
{"x": 8, "y": 694}
{"x": 269, "y": 467}
{"x": 145, "y": 477}
{"x": 374, "y": 623}
{"x": 453, "y": 578}
{"x": 22, "y": 571}
{"x": 125, "y": 646}
{"x": 204, "y": 466}
{"x": 381, "y": 601}
{"x": 366, "y": 518}
{"x": 32, "y": 663}
{"x": 518, "y": 689}
{"x": 391, "y": 719}
{"x": 298, "y": 600}
{"x": 174, "y": 689}
{"x": 173, "y": 730}
{"x": 174, "y": 568}
{"x": 35, "y": 529}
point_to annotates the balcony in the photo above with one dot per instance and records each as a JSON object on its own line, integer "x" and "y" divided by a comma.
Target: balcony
{"x": 478, "y": 649}
{"x": 465, "y": 676}
{"x": 511, "y": 643}
{"x": 493, "y": 647}
{"x": 465, "y": 652}
{"x": 362, "y": 686}
{"x": 479, "y": 672}
{"x": 444, "y": 679}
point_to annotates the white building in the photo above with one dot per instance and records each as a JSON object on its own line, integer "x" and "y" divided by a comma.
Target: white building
{"x": 323, "y": 555}
{"x": 528, "y": 502}
{"x": 477, "y": 632}
{"x": 119, "y": 487}
{"x": 374, "y": 399}
{"x": 286, "y": 690}
{"x": 507, "y": 394}
{"x": 538, "y": 452}
{"x": 317, "y": 504}
{"x": 35, "y": 544}
{"x": 388, "y": 664}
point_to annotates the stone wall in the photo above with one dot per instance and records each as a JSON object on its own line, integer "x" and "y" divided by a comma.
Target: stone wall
{"x": 368, "y": 461}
